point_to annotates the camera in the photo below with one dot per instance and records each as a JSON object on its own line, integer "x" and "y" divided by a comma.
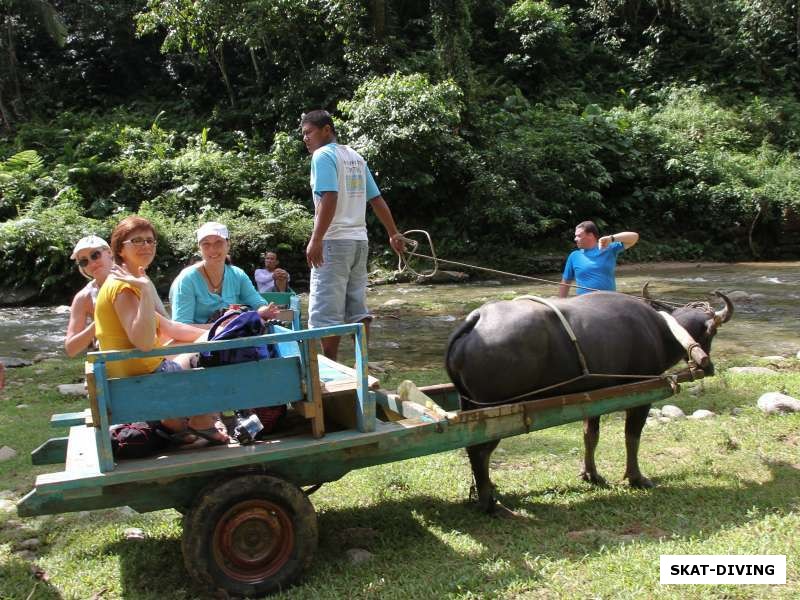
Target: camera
{"x": 247, "y": 427}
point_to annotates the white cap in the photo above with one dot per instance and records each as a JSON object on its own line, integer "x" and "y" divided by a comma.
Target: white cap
{"x": 212, "y": 228}
{"x": 90, "y": 241}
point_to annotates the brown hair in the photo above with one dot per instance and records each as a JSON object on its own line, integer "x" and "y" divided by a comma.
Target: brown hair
{"x": 123, "y": 229}
{"x": 589, "y": 227}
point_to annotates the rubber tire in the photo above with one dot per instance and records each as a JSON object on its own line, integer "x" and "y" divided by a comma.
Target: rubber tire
{"x": 219, "y": 503}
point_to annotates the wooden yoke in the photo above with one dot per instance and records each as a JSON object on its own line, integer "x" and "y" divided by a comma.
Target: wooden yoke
{"x": 693, "y": 349}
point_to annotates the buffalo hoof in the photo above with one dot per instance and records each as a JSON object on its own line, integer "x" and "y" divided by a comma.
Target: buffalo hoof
{"x": 594, "y": 478}
{"x": 640, "y": 482}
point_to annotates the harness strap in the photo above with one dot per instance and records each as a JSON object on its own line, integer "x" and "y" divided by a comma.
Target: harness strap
{"x": 566, "y": 325}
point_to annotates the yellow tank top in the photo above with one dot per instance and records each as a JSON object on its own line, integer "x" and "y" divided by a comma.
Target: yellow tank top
{"x": 111, "y": 335}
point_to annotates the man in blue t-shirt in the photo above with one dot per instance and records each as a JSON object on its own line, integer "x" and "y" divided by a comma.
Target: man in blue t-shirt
{"x": 592, "y": 266}
{"x": 341, "y": 187}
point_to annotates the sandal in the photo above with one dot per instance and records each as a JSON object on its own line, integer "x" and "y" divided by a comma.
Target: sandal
{"x": 212, "y": 435}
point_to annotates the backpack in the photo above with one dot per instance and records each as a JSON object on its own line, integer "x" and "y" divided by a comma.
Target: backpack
{"x": 243, "y": 324}
{"x": 137, "y": 440}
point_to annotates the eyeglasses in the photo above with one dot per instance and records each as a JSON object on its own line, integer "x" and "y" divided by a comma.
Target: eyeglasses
{"x": 82, "y": 262}
{"x": 139, "y": 242}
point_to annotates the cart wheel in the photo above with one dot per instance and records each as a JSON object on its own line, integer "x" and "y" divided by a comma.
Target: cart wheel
{"x": 251, "y": 535}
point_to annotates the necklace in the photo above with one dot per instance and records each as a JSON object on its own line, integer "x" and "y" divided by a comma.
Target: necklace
{"x": 215, "y": 289}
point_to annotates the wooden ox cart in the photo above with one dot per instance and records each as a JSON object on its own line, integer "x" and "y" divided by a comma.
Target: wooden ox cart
{"x": 249, "y": 527}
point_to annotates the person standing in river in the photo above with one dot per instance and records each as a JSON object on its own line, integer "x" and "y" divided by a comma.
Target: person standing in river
{"x": 592, "y": 265}
{"x": 341, "y": 187}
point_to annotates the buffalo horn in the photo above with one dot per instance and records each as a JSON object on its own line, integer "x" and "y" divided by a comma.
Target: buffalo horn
{"x": 645, "y": 293}
{"x": 724, "y": 315}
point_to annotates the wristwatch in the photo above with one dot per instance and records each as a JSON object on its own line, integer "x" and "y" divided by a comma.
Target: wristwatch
{"x": 612, "y": 239}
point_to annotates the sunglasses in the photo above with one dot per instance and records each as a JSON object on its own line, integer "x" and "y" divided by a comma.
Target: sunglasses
{"x": 92, "y": 257}
{"x": 137, "y": 241}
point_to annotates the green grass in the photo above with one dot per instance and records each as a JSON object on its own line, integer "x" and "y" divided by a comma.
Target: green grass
{"x": 724, "y": 486}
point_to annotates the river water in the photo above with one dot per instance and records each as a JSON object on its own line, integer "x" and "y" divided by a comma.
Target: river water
{"x": 414, "y": 321}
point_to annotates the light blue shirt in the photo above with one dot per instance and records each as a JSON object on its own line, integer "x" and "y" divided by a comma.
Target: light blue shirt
{"x": 593, "y": 268}
{"x": 324, "y": 175}
{"x": 192, "y": 302}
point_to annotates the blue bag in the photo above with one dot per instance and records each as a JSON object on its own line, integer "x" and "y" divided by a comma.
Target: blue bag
{"x": 244, "y": 324}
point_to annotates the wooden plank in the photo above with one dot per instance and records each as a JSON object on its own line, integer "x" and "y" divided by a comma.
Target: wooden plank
{"x": 91, "y": 388}
{"x": 102, "y": 440}
{"x": 52, "y": 452}
{"x": 198, "y": 391}
{"x": 314, "y": 394}
{"x": 82, "y": 456}
{"x": 336, "y": 377}
{"x": 69, "y": 419}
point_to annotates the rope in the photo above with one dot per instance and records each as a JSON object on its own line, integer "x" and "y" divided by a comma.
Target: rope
{"x": 403, "y": 265}
{"x": 411, "y": 252}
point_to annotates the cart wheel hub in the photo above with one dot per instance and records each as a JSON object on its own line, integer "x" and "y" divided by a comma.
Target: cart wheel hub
{"x": 253, "y": 540}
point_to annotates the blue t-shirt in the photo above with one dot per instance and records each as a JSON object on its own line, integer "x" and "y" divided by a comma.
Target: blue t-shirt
{"x": 192, "y": 302}
{"x": 593, "y": 268}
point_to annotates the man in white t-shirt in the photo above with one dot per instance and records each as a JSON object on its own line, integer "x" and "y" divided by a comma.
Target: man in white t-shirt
{"x": 341, "y": 186}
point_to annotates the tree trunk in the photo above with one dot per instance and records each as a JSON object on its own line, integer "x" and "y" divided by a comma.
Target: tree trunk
{"x": 379, "y": 19}
{"x": 219, "y": 57}
{"x": 7, "y": 125}
{"x": 256, "y": 68}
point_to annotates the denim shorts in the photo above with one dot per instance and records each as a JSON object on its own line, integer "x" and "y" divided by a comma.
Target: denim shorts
{"x": 339, "y": 287}
{"x": 168, "y": 366}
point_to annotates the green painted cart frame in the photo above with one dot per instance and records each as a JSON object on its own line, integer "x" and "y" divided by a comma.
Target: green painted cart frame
{"x": 249, "y": 527}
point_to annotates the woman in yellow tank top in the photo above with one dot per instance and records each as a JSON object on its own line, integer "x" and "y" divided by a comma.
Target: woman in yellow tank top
{"x": 126, "y": 318}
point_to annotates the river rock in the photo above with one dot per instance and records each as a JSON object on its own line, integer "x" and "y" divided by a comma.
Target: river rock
{"x": 29, "y": 544}
{"x": 738, "y": 296}
{"x": 12, "y": 362}
{"x": 62, "y": 309}
{"x": 72, "y": 389}
{"x": 394, "y": 302}
{"x": 21, "y": 295}
{"x": 444, "y": 277}
{"x": 774, "y": 358}
{"x": 654, "y": 412}
{"x": 134, "y": 533}
{"x": 7, "y": 505}
{"x": 753, "y": 370}
{"x": 777, "y": 403}
{"x": 672, "y": 412}
{"x": 798, "y": 355}
{"x": 702, "y": 413}
{"x": 664, "y": 420}
{"x": 358, "y": 555}
{"x": 7, "y": 453}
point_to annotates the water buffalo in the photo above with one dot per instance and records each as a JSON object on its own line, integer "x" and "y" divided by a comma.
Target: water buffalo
{"x": 506, "y": 349}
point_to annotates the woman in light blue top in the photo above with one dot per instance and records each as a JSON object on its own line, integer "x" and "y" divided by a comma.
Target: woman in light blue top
{"x": 204, "y": 288}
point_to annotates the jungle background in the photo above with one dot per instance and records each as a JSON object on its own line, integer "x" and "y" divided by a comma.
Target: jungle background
{"x": 496, "y": 125}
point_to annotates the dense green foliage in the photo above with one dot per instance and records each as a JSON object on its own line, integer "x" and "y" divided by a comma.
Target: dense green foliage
{"x": 495, "y": 125}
